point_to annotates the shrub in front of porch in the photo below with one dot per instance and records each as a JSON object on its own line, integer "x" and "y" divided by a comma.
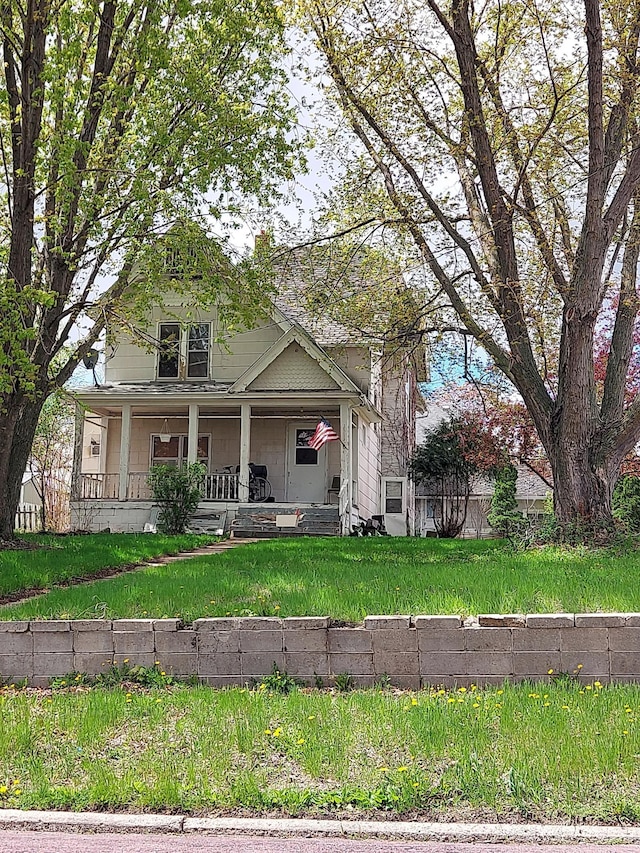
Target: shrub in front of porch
{"x": 177, "y": 491}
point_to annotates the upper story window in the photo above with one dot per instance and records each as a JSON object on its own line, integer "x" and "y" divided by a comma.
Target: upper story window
{"x": 198, "y": 350}
{"x": 183, "y": 353}
{"x": 182, "y": 262}
{"x": 169, "y": 351}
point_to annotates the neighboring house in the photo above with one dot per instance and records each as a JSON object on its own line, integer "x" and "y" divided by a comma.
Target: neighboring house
{"x": 258, "y": 399}
{"x": 531, "y": 495}
{"x": 28, "y": 491}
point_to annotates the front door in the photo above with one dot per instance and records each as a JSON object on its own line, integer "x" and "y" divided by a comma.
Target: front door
{"x": 307, "y": 468}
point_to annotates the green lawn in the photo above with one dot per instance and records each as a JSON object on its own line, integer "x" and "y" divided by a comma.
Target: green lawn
{"x": 350, "y": 578}
{"x": 554, "y": 752}
{"x": 62, "y": 558}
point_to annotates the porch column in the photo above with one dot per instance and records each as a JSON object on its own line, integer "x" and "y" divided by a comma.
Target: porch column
{"x": 125, "y": 444}
{"x": 194, "y": 414}
{"x": 78, "y": 436}
{"x": 245, "y": 444}
{"x": 346, "y": 497}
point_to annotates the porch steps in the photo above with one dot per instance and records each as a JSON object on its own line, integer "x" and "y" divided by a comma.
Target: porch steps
{"x": 259, "y": 520}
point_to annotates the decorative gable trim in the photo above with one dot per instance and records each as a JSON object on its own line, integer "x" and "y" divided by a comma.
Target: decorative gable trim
{"x": 295, "y": 334}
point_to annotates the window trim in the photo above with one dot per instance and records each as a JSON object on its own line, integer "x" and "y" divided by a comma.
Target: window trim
{"x": 183, "y": 351}
{"x": 181, "y": 459}
{"x": 402, "y": 498}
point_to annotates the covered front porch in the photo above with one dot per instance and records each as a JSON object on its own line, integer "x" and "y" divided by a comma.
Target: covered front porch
{"x": 118, "y": 443}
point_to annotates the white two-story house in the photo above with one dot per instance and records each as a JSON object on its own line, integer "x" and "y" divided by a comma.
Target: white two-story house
{"x": 257, "y": 399}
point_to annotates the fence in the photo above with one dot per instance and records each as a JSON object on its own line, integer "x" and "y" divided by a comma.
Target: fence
{"x": 28, "y": 518}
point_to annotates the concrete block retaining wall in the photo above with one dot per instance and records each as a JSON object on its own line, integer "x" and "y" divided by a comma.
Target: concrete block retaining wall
{"x": 411, "y": 651}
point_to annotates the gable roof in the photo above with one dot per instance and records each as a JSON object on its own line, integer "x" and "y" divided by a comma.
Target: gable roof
{"x": 296, "y": 334}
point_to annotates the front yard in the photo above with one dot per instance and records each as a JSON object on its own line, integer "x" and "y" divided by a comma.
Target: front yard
{"x": 345, "y": 579}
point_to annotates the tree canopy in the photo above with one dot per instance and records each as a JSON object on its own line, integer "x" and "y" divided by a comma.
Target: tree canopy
{"x": 118, "y": 120}
{"x": 498, "y": 143}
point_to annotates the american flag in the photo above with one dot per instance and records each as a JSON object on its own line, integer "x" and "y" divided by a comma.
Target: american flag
{"x": 324, "y": 433}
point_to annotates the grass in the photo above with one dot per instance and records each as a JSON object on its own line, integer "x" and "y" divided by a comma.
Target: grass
{"x": 348, "y": 579}
{"x": 63, "y": 558}
{"x": 554, "y": 752}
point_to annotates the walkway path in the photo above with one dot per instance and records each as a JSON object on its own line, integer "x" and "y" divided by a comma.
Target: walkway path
{"x": 204, "y": 551}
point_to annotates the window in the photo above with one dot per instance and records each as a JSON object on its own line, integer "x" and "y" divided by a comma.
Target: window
{"x": 182, "y": 262}
{"x": 184, "y": 353}
{"x": 169, "y": 351}
{"x": 393, "y": 496}
{"x": 94, "y": 446}
{"x": 198, "y": 351}
{"x": 305, "y": 455}
{"x": 176, "y": 450}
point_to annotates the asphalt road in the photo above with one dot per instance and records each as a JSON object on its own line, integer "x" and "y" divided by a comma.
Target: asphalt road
{"x": 63, "y": 842}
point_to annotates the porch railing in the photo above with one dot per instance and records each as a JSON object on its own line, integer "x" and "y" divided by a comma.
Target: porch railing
{"x": 220, "y": 487}
{"x": 216, "y": 487}
{"x": 138, "y": 487}
{"x": 98, "y": 487}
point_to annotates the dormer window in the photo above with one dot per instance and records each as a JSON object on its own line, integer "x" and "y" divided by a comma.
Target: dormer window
{"x": 183, "y": 353}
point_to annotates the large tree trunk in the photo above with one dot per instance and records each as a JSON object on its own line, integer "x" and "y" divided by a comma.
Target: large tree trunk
{"x": 583, "y": 486}
{"x": 17, "y": 429}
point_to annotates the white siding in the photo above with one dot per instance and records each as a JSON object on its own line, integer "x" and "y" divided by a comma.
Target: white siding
{"x": 355, "y": 362}
{"x": 133, "y": 363}
{"x": 368, "y": 469}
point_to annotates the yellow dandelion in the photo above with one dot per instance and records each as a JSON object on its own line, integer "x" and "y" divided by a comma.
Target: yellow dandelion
{"x": 311, "y": 717}
{"x": 300, "y": 740}
{"x": 163, "y": 672}
{"x": 402, "y": 769}
{"x": 499, "y": 692}
{"x": 549, "y": 672}
{"x": 565, "y": 707}
{"x": 277, "y": 732}
{"x": 383, "y": 769}
{"x": 462, "y": 689}
{"x": 17, "y": 791}
{"x": 597, "y": 684}
{"x": 476, "y": 705}
{"x": 546, "y": 704}
{"x": 416, "y": 784}
{"x": 579, "y": 666}
{"x": 625, "y": 732}
{"x": 3, "y": 789}
{"x": 588, "y": 687}
{"x": 414, "y": 701}
{"x": 267, "y": 731}
{"x": 126, "y": 660}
